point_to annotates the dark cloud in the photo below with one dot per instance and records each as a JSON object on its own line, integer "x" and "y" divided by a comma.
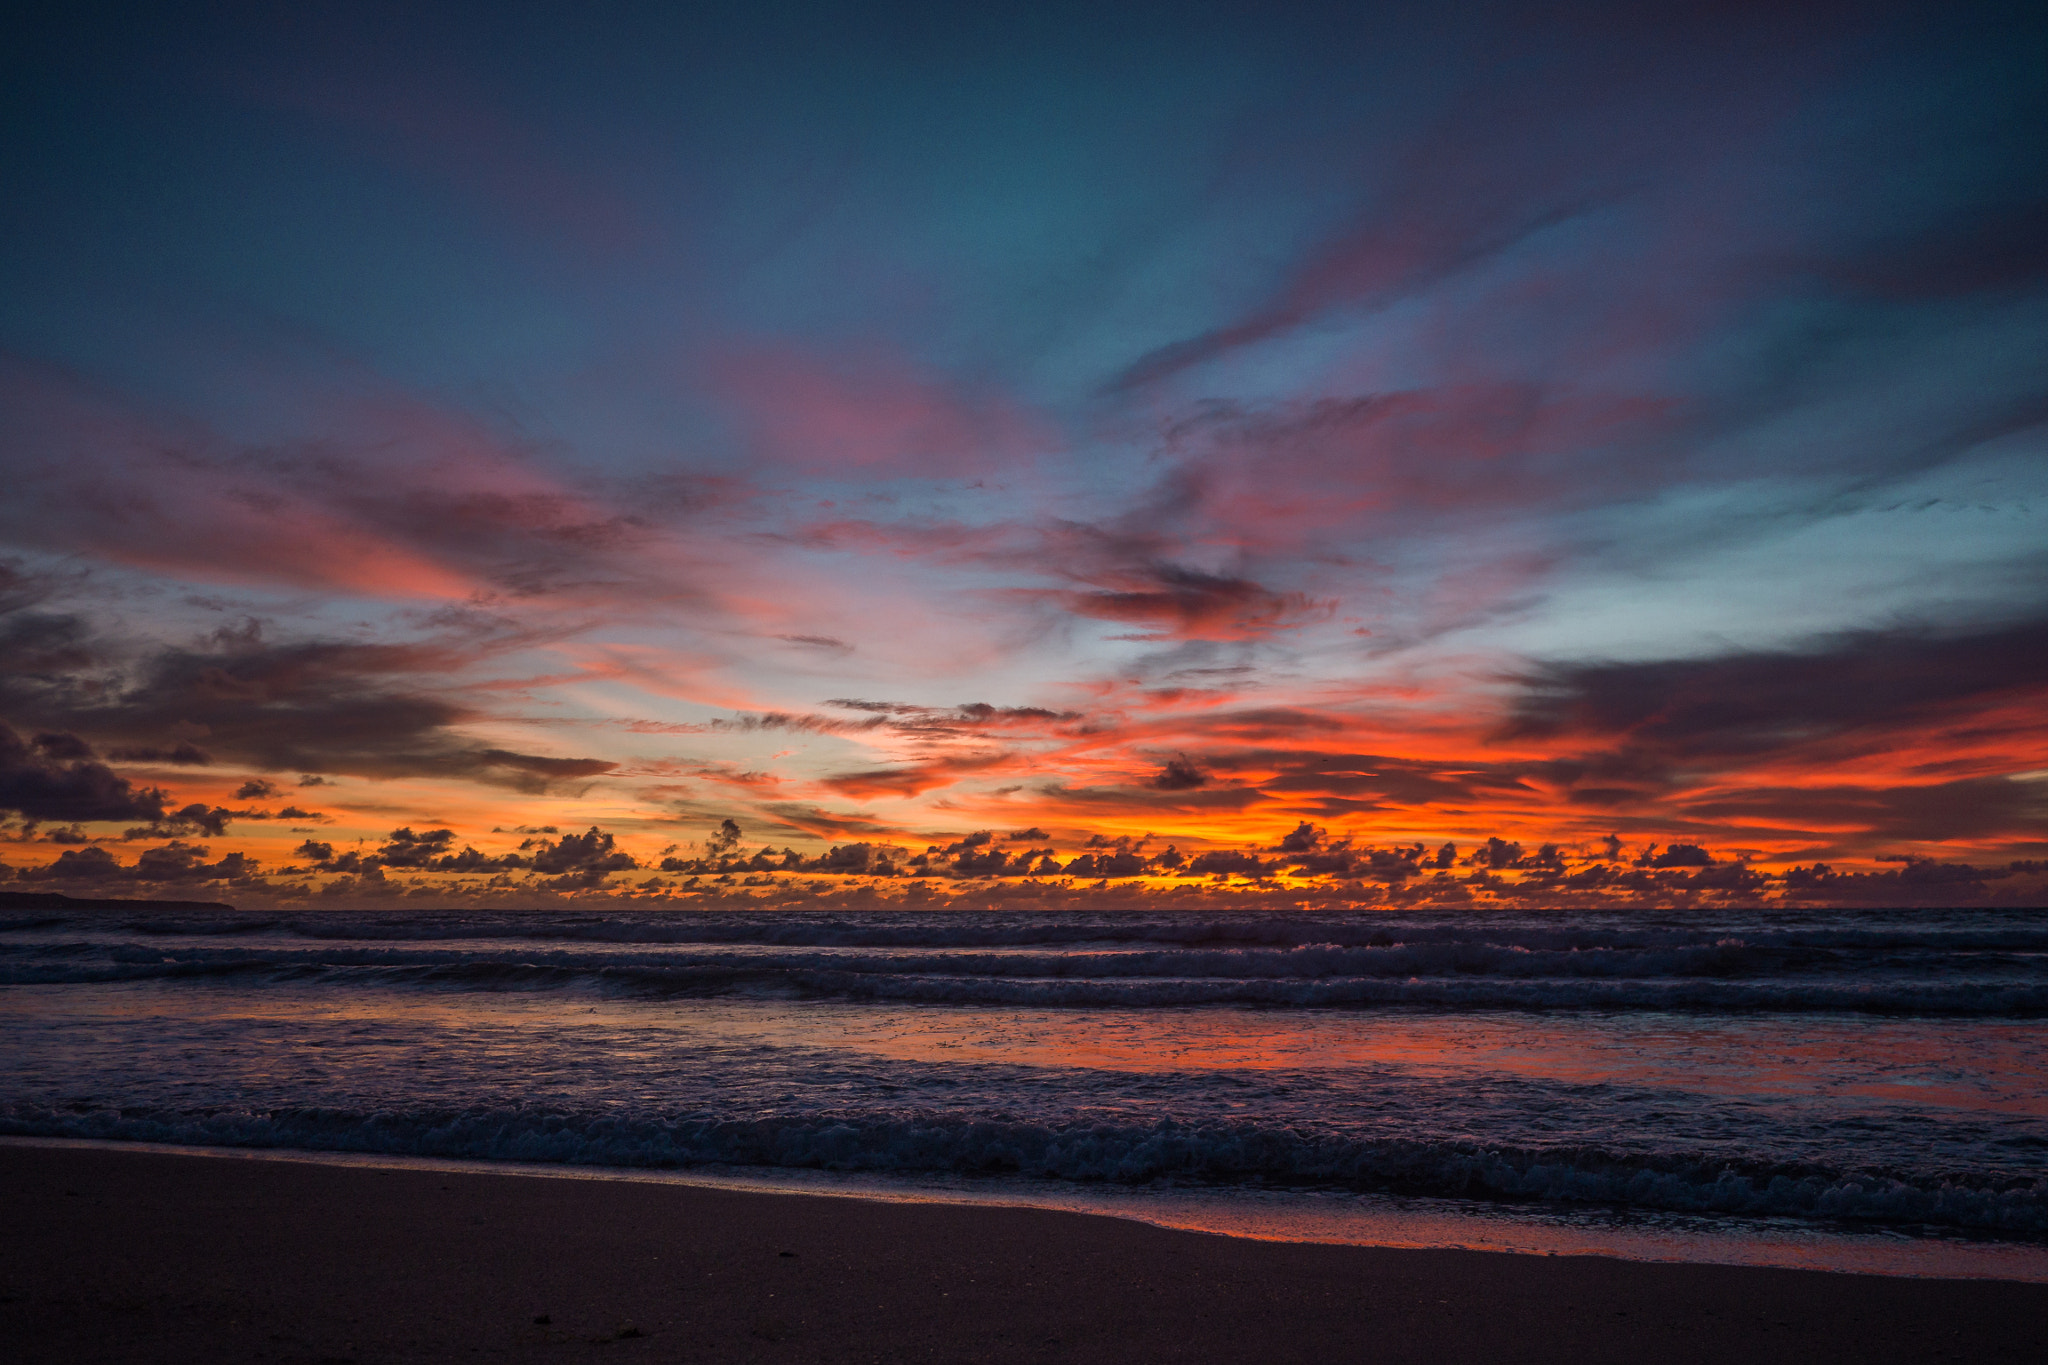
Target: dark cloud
{"x": 778, "y": 720}
{"x": 1180, "y": 774}
{"x": 572, "y": 860}
{"x": 723, "y": 857}
{"x": 1228, "y": 860}
{"x": 1678, "y": 855}
{"x": 1732, "y": 878}
{"x": 823, "y": 823}
{"x": 854, "y": 859}
{"x": 198, "y": 818}
{"x": 980, "y": 713}
{"x": 174, "y": 862}
{"x": 63, "y": 747}
{"x": 469, "y": 860}
{"x": 1120, "y": 864}
{"x": 989, "y": 862}
{"x": 1740, "y": 705}
{"x": 1081, "y": 803}
{"x": 1345, "y": 783}
{"x": 1497, "y": 854}
{"x": 922, "y": 722}
{"x": 307, "y": 706}
{"x": 1389, "y": 864}
{"x": 1271, "y": 722}
{"x": 255, "y": 789}
{"x": 182, "y": 862}
{"x": 77, "y": 865}
{"x": 913, "y": 778}
{"x": 579, "y": 860}
{"x": 184, "y": 755}
{"x": 35, "y": 785}
{"x": 1920, "y": 880}
{"x": 1854, "y": 818}
{"x": 403, "y": 848}
{"x": 1127, "y": 569}
{"x": 1305, "y": 838}
{"x": 43, "y": 646}
{"x": 1189, "y": 603}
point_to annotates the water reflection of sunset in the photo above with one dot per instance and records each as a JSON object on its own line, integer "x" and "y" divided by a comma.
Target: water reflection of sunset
{"x": 1965, "y": 1064}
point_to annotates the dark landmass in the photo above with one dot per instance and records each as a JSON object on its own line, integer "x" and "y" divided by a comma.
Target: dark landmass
{"x": 50, "y": 900}
{"x": 113, "y": 1256}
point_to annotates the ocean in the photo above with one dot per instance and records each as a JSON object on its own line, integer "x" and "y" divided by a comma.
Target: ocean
{"x": 1858, "y": 1089}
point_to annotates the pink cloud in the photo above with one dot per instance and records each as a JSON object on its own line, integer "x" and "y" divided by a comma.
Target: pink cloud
{"x": 1279, "y": 480}
{"x": 395, "y": 498}
{"x": 915, "y": 779}
{"x": 90, "y": 475}
{"x": 872, "y": 413}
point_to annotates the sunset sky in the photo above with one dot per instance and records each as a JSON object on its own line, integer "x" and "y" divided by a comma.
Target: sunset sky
{"x": 1139, "y": 453}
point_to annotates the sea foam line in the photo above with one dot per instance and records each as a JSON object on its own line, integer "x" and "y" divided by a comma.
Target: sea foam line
{"x": 1129, "y": 1153}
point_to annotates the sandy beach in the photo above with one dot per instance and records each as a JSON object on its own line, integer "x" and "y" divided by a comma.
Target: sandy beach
{"x": 109, "y": 1255}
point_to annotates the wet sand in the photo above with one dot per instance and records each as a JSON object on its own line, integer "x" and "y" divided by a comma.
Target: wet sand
{"x": 117, "y": 1256}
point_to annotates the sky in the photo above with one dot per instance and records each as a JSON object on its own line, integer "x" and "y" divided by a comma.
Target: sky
{"x": 1440, "y": 454}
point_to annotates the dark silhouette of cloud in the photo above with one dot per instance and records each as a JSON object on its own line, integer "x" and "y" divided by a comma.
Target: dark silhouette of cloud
{"x": 78, "y": 865}
{"x": 1738, "y": 705}
{"x": 184, "y": 755}
{"x": 172, "y": 863}
{"x": 1180, "y": 774}
{"x": 1184, "y": 603}
{"x": 1848, "y": 816}
{"x": 63, "y": 747}
{"x": 1304, "y": 838}
{"x": 913, "y": 778}
{"x": 1228, "y": 860}
{"x": 34, "y": 785}
{"x": 1678, "y": 855}
{"x": 304, "y": 706}
{"x": 403, "y": 848}
{"x": 581, "y": 860}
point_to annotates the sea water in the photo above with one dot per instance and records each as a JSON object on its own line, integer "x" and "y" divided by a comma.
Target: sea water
{"x": 1858, "y": 1089}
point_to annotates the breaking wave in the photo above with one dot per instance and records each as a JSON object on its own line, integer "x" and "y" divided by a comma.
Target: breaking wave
{"x": 1216, "y": 1153}
{"x": 1723, "y": 975}
{"x": 1680, "y": 1062}
{"x": 1878, "y": 932}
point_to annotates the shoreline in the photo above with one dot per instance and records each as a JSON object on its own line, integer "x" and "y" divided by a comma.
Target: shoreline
{"x": 123, "y": 1255}
{"x": 1319, "y": 1219}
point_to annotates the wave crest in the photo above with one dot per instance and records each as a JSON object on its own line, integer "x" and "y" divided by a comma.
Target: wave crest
{"x": 1133, "y": 1153}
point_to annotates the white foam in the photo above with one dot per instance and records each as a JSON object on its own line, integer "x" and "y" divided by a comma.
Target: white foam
{"x": 1293, "y": 1216}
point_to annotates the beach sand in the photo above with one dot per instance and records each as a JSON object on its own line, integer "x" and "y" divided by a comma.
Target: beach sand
{"x": 109, "y": 1255}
